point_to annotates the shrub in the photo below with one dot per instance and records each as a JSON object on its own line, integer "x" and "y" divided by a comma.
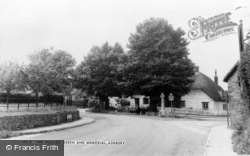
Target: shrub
{"x": 6, "y": 134}
{"x": 124, "y": 102}
{"x": 241, "y": 140}
{"x": 20, "y": 122}
{"x": 92, "y": 102}
{"x": 28, "y": 98}
{"x": 240, "y": 118}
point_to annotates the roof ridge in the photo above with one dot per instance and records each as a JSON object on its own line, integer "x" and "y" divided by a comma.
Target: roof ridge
{"x": 203, "y": 82}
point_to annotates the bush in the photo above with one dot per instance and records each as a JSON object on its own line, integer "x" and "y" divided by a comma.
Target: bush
{"x": 241, "y": 140}
{"x": 28, "y": 98}
{"x": 124, "y": 102}
{"x": 6, "y": 134}
{"x": 20, "y": 122}
{"x": 240, "y": 116}
{"x": 92, "y": 102}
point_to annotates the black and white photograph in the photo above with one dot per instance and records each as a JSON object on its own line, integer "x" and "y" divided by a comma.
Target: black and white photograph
{"x": 124, "y": 77}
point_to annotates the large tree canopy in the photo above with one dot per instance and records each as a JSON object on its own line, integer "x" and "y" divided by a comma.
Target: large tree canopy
{"x": 98, "y": 72}
{"x": 49, "y": 71}
{"x": 158, "y": 60}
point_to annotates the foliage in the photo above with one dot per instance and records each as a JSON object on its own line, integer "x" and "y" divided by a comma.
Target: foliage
{"x": 241, "y": 119}
{"x": 124, "y": 102}
{"x": 92, "y": 102}
{"x": 9, "y": 77}
{"x": 49, "y": 71}
{"x": 98, "y": 72}
{"x": 27, "y": 121}
{"x": 28, "y": 98}
{"x": 158, "y": 60}
{"x": 6, "y": 134}
{"x": 241, "y": 139}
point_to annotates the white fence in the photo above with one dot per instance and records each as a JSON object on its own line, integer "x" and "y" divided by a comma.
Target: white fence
{"x": 187, "y": 111}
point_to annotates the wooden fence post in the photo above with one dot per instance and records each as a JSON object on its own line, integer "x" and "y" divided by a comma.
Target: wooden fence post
{"x": 29, "y": 102}
{"x": 7, "y": 104}
{"x": 18, "y": 103}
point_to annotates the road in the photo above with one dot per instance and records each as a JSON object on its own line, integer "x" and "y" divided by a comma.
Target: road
{"x": 141, "y": 136}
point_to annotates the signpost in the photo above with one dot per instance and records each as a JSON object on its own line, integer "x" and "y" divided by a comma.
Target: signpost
{"x": 171, "y": 99}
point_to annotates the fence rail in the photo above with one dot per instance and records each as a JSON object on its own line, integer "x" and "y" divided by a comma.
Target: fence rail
{"x": 187, "y": 111}
{"x": 21, "y": 103}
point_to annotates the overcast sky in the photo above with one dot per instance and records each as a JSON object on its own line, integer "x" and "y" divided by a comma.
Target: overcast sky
{"x": 77, "y": 25}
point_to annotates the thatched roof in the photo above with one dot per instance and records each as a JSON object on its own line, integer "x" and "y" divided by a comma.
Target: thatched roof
{"x": 208, "y": 86}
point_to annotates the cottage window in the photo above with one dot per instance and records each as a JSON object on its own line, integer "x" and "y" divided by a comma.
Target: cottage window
{"x": 205, "y": 105}
{"x": 145, "y": 100}
{"x": 183, "y": 104}
{"x": 224, "y": 106}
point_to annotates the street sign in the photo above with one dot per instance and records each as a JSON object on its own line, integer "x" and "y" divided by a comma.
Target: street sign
{"x": 171, "y": 97}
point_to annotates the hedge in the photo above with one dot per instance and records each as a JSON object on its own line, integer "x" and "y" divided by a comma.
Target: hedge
{"x": 241, "y": 116}
{"x": 28, "y": 98}
{"x": 20, "y": 122}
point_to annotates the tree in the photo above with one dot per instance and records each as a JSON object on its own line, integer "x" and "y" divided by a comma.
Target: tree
{"x": 98, "y": 72}
{"x": 158, "y": 61}
{"x": 9, "y": 79}
{"x": 241, "y": 113}
{"x": 49, "y": 71}
{"x": 61, "y": 71}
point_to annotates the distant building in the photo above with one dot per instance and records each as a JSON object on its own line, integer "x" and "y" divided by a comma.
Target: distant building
{"x": 205, "y": 95}
{"x": 136, "y": 100}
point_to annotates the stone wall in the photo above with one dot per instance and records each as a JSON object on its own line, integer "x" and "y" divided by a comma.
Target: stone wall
{"x": 234, "y": 93}
{"x": 21, "y": 122}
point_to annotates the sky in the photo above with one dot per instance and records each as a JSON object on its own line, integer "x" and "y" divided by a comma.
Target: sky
{"x": 76, "y": 25}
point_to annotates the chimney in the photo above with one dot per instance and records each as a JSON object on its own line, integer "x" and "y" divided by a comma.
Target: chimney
{"x": 216, "y": 77}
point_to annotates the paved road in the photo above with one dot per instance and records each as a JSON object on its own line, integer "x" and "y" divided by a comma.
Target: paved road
{"x": 141, "y": 135}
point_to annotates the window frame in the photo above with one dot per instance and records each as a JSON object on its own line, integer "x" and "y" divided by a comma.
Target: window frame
{"x": 182, "y": 104}
{"x": 147, "y": 99}
{"x": 205, "y": 105}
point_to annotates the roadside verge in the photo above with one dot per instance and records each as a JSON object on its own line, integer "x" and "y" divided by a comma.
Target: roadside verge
{"x": 64, "y": 126}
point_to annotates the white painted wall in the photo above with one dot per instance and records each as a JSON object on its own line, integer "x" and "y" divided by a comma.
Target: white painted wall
{"x": 142, "y": 105}
{"x": 195, "y": 98}
{"x": 132, "y": 102}
{"x": 113, "y": 103}
{"x": 219, "y": 108}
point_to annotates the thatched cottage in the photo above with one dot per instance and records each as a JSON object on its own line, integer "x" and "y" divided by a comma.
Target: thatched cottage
{"x": 205, "y": 95}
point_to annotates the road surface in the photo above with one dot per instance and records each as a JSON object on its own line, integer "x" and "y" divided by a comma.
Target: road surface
{"x": 140, "y": 135}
